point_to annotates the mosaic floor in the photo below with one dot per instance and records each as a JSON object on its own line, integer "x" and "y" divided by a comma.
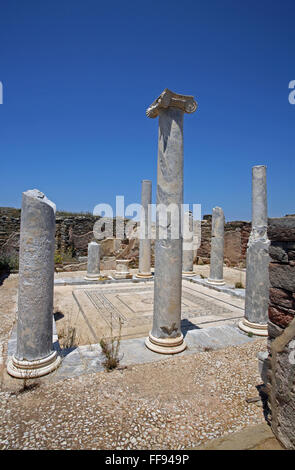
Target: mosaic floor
{"x": 102, "y": 309}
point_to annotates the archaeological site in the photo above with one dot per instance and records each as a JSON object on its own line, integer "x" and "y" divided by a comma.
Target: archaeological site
{"x": 147, "y": 251}
{"x": 178, "y": 313}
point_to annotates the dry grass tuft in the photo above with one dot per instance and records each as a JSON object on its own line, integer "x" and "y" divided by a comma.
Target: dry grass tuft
{"x": 110, "y": 348}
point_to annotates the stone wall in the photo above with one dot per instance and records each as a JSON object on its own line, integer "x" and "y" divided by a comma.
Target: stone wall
{"x": 9, "y": 228}
{"x": 281, "y": 329}
{"x": 236, "y": 236}
{"x": 74, "y": 231}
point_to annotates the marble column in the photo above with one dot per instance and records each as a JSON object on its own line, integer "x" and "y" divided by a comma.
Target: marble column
{"x": 257, "y": 277}
{"x": 165, "y": 336}
{"x": 144, "y": 270}
{"x": 34, "y": 355}
{"x": 217, "y": 248}
{"x": 188, "y": 245}
{"x": 93, "y": 262}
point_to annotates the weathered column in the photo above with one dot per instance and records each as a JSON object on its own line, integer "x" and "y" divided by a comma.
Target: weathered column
{"x": 188, "y": 245}
{"x": 34, "y": 355}
{"x": 166, "y": 336}
{"x": 145, "y": 228}
{"x": 93, "y": 262}
{"x": 257, "y": 277}
{"x": 217, "y": 248}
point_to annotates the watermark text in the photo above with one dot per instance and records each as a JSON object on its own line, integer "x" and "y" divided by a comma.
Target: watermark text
{"x": 292, "y": 93}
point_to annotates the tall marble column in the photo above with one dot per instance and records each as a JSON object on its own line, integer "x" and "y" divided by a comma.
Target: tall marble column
{"x": 93, "y": 261}
{"x": 188, "y": 245}
{"x": 217, "y": 248}
{"x": 257, "y": 277}
{"x": 166, "y": 336}
{"x": 34, "y": 355}
{"x": 145, "y": 228}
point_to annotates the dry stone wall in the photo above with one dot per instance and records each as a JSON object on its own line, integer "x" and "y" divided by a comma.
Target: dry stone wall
{"x": 75, "y": 231}
{"x": 236, "y": 236}
{"x": 281, "y": 329}
{"x": 9, "y": 228}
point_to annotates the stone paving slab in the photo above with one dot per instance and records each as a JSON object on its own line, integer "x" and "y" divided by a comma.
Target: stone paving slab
{"x": 209, "y": 322}
{"x": 89, "y": 358}
{"x": 227, "y": 288}
{"x": 11, "y": 346}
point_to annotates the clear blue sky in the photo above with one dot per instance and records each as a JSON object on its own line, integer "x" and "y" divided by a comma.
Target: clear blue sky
{"x": 78, "y": 76}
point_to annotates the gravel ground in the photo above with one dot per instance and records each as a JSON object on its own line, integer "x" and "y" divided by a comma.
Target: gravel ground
{"x": 178, "y": 403}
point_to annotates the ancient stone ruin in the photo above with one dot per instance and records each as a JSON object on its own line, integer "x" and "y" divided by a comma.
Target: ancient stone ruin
{"x": 74, "y": 232}
{"x": 175, "y": 306}
{"x": 281, "y": 329}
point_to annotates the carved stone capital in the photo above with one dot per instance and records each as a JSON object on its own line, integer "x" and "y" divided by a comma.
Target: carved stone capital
{"x": 170, "y": 99}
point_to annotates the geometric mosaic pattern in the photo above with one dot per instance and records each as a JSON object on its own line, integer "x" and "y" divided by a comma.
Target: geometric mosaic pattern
{"x": 103, "y": 307}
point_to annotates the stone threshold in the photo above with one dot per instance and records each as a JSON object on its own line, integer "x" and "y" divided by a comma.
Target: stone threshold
{"x": 89, "y": 359}
{"x": 257, "y": 437}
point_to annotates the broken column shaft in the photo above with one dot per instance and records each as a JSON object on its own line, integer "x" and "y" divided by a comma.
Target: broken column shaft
{"x": 34, "y": 355}
{"x": 188, "y": 245}
{"x": 217, "y": 247}
{"x": 144, "y": 270}
{"x": 257, "y": 276}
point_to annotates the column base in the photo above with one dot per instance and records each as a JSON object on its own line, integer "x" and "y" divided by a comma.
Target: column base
{"x": 216, "y": 282}
{"x": 92, "y": 277}
{"x": 165, "y": 345}
{"x": 144, "y": 275}
{"x": 254, "y": 328}
{"x": 122, "y": 276}
{"x": 188, "y": 273}
{"x": 32, "y": 369}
